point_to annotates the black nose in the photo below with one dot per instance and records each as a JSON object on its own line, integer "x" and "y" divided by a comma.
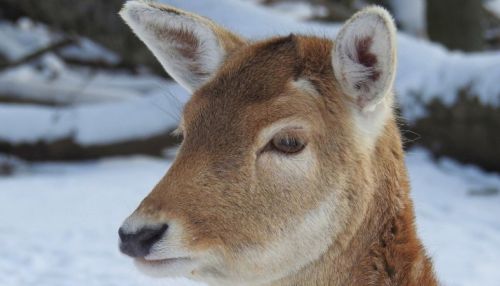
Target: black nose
{"x": 138, "y": 244}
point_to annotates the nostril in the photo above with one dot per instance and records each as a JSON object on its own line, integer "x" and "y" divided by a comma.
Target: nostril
{"x": 138, "y": 244}
{"x": 149, "y": 236}
{"x": 124, "y": 237}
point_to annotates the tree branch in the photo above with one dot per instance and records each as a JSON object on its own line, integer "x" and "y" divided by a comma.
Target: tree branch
{"x": 52, "y": 47}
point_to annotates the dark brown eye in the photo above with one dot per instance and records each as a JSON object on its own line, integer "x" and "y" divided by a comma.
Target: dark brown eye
{"x": 287, "y": 145}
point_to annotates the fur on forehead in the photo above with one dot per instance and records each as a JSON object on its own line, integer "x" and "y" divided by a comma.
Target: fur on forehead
{"x": 246, "y": 73}
{"x": 244, "y": 78}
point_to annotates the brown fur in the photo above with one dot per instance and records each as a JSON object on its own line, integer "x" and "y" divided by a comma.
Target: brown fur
{"x": 200, "y": 185}
{"x": 228, "y": 200}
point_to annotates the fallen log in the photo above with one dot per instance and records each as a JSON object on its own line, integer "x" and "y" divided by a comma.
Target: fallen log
{"x": 69, "y": 149}
{"x": 466, "y": 131}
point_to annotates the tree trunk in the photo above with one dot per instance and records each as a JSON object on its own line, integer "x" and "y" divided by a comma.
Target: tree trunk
{"x": 457, "y": 24}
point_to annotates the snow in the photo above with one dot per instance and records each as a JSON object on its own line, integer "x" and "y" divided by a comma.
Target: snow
{"x": 93, "y": 124}
{"x": 25, "y": 36}
{"x": 124, "y": 103}
{"x": 459, "y": 226}
{"x": 247, "y": 18}
{"x": 298, "y": 10}
{"x": 91, "y": 107}
{"x": 410, "y": 14}
{"x": 493, "y": 6}
{"x": 86, "y": 50}
{"x": 51, "y": 80}
{"x": 59, "y": 221}
{"x": 28, "y": 36}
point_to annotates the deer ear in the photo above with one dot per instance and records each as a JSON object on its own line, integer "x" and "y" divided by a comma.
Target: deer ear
{"x": 364, "y": 56}
{"x": 189, "y": 47}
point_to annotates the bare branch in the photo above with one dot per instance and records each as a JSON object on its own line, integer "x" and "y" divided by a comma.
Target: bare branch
{"x": 36, "y": 54}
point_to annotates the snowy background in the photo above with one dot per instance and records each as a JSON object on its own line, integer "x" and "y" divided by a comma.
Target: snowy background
{"x": 59, "y": 220}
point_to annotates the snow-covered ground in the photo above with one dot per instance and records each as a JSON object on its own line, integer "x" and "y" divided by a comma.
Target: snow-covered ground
{"x": 58, "y": 222}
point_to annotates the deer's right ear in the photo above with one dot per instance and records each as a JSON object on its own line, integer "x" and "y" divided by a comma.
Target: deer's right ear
{"x": 190, "y": 48}
{"x": 364, "y": 56}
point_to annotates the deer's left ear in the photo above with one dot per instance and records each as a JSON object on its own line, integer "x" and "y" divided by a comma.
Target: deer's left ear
{"x": 364, "y": 56}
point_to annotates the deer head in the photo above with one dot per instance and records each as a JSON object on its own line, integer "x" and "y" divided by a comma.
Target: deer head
{"x": 278, "y": 141}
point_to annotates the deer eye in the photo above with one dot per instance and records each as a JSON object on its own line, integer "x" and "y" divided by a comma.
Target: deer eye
{"x": 287, "y": 144}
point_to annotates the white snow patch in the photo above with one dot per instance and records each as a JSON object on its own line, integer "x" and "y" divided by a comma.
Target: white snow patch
{"x": 493, "y": 6}
{"x": 22, "y": 38}
{"x": 460, "y": 229}
{"x": 94, "y": 124}
{"x": 52, "y": 81}
{"x": 25, "y": 37}
{"x": 411, "y": 15}
{"x": 299, "y": 10}
{"x": 86, "y": 50}
{"x": 59, "y": 221}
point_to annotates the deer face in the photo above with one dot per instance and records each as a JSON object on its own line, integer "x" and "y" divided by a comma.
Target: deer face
{"x": 274, "y": 165}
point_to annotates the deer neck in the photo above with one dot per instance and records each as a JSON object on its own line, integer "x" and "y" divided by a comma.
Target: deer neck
{"x": 385, "y": 250}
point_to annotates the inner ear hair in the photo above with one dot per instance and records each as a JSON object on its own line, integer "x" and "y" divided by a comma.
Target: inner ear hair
{"x": 364, "y": 56}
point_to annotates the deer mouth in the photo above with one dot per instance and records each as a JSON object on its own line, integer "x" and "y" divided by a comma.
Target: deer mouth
{"x": 158, "y": 262}
{"x": 167, "y": 267}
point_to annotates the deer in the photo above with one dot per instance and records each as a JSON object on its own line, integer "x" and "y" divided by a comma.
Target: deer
{"x": 291, "y": 167}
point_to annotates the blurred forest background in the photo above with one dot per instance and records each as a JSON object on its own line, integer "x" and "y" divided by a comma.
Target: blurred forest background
{"x": 74, "y": 79}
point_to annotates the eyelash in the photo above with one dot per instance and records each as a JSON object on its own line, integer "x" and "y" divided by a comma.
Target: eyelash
{"x": 287, "y": 145}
